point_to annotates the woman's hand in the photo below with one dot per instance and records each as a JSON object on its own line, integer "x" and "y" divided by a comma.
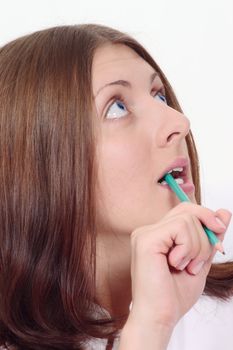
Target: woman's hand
{"x": 170, "y": 262}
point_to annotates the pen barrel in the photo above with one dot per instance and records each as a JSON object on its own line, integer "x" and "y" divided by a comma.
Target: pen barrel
{"x": 176, "y": 188}
{"x": 184, "y": 198}
{"x": 212, "y": 238}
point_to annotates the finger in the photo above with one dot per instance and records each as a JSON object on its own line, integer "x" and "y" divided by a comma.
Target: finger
{"x": 207, "y": 265}
{"x": 224, "y": 216}
{"x": 206, "y": 216}
{"x": 200, "y": 253}
{"x": 188, "y": 243}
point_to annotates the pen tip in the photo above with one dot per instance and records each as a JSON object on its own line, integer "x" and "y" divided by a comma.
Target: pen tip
{"x": 220, "y": 248}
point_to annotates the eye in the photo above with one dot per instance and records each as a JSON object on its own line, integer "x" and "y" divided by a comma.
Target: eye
{"x": 117, "y": 109}
{"x": 161, "y": 97}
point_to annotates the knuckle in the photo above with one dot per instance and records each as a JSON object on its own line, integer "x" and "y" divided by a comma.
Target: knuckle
{"x": 135, "y": 238}
{"x": 138, "y": 242}
{"x": 145, "y": 243}
{"x": 184, "y": 206}
{"x": 190, "y": 250}
{"x": 183, "y": 222}
{"x": 189, "y": 218}
{"x": 187, "y": 252}
{"x": 199, "y": 261}
{"x": 206, "y": 251}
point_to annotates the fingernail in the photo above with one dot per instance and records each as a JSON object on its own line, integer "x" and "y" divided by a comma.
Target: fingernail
{"x": 220, "y": 222}
{"x": 197, "y": 268}
{"x": 182, "y": 265}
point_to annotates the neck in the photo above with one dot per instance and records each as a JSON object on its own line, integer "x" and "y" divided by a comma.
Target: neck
{"x": 113, "y": 281}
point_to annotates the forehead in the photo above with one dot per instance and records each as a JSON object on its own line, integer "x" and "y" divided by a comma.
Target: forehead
{"x": 117, "y": 61}
{"x": 109, "y": 53}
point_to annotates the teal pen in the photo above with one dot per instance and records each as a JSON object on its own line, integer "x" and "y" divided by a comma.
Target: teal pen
{"x": 184, "y": 198}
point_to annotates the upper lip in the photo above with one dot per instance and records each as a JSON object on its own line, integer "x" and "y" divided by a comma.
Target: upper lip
{"x": 180, "y": 162}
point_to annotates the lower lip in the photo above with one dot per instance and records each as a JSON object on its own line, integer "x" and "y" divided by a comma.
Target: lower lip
{"x": 187, "y": 187}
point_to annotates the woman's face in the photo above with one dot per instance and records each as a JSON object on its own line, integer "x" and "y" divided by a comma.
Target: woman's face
{"x": 139, "y": 139}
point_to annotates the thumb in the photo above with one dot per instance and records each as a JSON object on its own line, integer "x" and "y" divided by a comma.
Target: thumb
{"x": 224, "y": 216}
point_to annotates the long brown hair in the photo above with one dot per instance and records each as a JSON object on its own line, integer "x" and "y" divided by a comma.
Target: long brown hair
{"x": 47, "y": 188}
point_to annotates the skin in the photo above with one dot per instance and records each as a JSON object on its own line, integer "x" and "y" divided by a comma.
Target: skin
{"x": 135, "y": 149}
{"x": 139, "y": 221}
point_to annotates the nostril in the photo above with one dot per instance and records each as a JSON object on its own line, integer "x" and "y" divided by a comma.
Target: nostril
{"x": 171, "y": 136}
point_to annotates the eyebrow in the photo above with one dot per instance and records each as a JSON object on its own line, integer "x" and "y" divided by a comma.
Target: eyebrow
{"x": 124, "y": 83}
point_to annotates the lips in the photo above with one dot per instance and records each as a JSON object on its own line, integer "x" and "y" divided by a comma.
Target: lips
{"x": 181, "y": 177}
{"x": 180, "y": 162}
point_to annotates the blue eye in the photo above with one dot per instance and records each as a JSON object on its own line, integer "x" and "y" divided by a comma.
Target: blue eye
{"x": 117, "y": 109}
{"x": 161, "y": 97}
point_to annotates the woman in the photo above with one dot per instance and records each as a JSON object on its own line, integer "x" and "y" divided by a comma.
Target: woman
{"x": 89, "y": 127}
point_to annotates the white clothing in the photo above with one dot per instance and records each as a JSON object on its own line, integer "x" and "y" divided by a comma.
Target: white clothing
{"x": 207, "y": 326}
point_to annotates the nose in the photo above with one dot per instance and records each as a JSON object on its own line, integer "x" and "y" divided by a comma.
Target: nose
{"x": 173, "y": 127}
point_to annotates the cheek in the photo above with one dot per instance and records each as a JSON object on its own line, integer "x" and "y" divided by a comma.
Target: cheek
{"x": 123, "y": 168}
{"x": 121, "y": 163}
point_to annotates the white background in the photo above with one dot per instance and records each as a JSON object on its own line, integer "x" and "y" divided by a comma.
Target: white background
{"x": 192, "y": 42}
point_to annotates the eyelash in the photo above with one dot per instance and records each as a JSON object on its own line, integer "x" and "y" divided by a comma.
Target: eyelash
{"x": 119, "y": 97}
